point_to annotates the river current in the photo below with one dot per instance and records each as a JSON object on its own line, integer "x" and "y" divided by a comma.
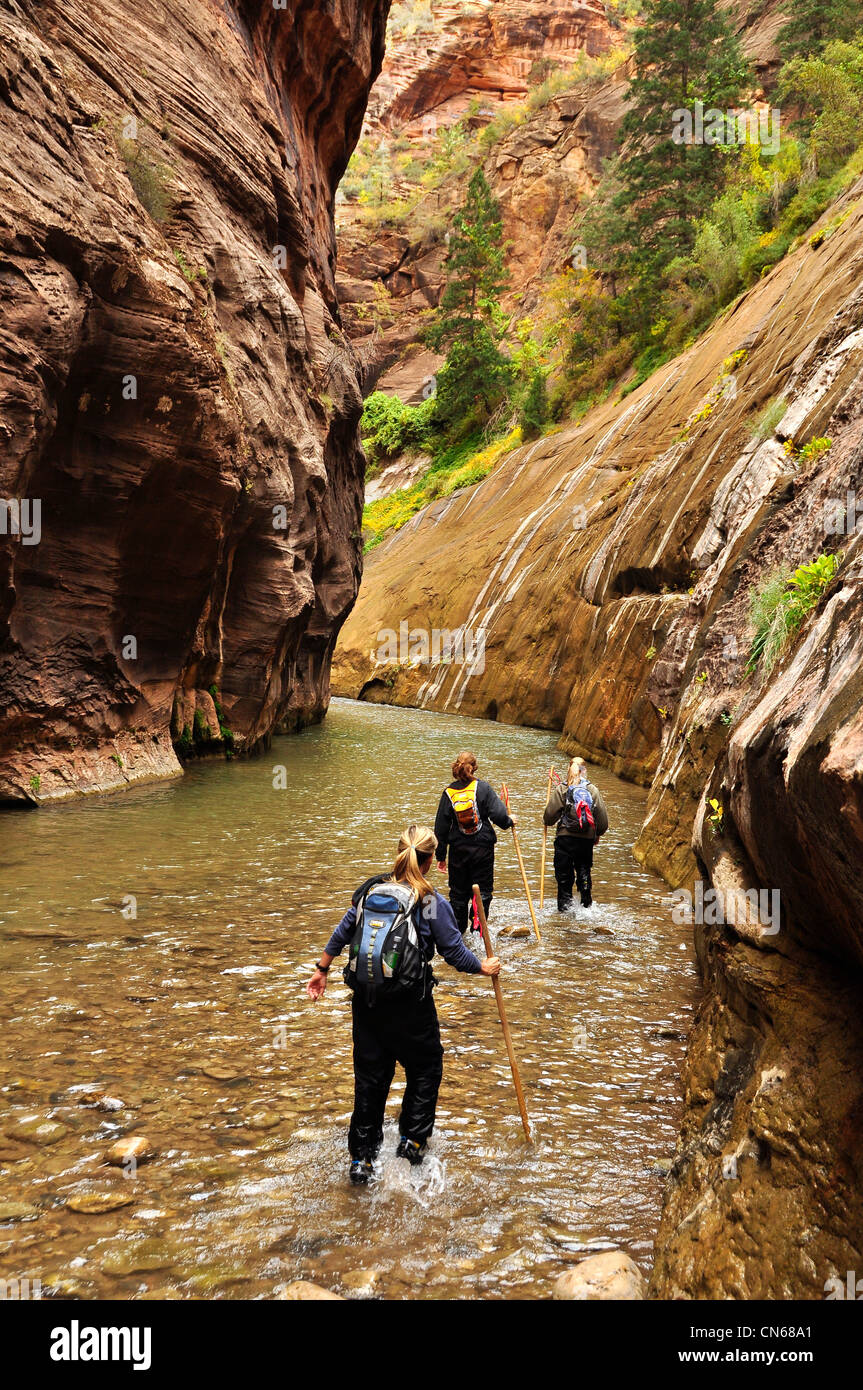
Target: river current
{"x": 154, "y": 947}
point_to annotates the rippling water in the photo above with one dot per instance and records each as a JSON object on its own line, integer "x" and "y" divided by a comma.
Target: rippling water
{"x": 154, "y": 946}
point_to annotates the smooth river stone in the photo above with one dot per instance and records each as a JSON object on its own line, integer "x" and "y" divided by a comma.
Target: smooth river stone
{"x": 37, "y": 1131}
{"x": 612, "y": 1275}
{"x": 17, "y": 1211}
{"x": 136, "y": 1149}
{"x": 217, "y": 1072}
{"x": 263, "y": 1120}
{"x": 304, "y": 1291}
{"x": 95, "y": 1203}
{"x": 361, "y": 1278}
{"x": 142, "y": 1259}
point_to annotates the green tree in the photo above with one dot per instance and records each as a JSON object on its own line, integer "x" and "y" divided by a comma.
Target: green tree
{"x": 470, "y": 324}
{"x": 685, "y": 52}
{"x": 829, "y": 87}
{"x": 533, "y": 416}
{"x": 813, "y": 23}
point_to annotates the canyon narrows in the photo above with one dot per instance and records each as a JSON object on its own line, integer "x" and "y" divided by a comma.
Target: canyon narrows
{"x": 610, "y": 568}
{"x": 200, "y": 287}
{"x": 179, "y": 403}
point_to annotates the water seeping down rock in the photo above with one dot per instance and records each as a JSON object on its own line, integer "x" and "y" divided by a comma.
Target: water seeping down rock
{"x": 180, "y": 468}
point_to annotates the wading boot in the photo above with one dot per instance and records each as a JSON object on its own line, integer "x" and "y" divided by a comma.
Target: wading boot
{"x": 411, "y": 1151}
{"x": 361, "y": 1170}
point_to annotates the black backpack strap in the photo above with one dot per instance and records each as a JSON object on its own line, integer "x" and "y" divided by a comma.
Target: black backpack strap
{"x": 364, "y": 888}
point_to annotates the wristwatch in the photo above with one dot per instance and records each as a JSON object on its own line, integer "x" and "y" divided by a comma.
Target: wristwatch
{"x": 324, "y": 969}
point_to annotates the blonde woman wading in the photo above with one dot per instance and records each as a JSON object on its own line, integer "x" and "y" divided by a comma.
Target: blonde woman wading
{"x": 579, "y": 813}
{"x": 393, "y": 927}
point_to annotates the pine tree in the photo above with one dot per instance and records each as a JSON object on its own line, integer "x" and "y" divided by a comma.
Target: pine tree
{"x": 469, "y": 322}
{"x": 685, "y": 52}
{"x": 813, "y": 23}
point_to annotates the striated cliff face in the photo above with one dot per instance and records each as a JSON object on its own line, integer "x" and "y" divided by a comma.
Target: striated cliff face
{"x": 610, "y": 569}
{"x": 178, "y": 402}
{"x": 486, "y": 49}
{"x": 472, "y": 64}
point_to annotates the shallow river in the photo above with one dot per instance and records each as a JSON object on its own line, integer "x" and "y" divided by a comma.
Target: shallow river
{"x": 154, "y": 946}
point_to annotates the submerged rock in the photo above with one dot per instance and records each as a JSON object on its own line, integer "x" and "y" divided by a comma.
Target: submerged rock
{"x": 136, "y": 1149}
{"x": 96, "y": 1203}
{"x": 360, "y": 1279}
{"x": 303, "y": 1291}
{"x": 611, "y": 1275}
{"x": 143, "y": 1258}
{"x": 263, "y": 1120}
{"x": 36, "y": 1130}
{"x": 17, "y": 1211}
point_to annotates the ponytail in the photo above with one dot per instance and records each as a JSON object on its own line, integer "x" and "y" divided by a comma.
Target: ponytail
{"x": 464, "y": 767}
{"x": 577, "y": 772}
{"x": 417, "y": 843}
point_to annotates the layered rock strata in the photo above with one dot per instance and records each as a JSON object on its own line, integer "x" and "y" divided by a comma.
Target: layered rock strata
{"x": 179, "y": 403}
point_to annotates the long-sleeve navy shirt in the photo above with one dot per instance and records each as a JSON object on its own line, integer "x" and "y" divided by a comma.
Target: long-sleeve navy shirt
{"x": 437, "y": 931}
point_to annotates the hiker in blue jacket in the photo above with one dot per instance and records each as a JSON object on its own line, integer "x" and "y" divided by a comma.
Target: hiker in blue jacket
{"x": 394, "y": 926}
{"x": 579, "y": 813}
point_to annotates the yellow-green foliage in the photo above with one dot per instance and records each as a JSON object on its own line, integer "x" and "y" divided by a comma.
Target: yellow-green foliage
{"x": 392, "y": 512}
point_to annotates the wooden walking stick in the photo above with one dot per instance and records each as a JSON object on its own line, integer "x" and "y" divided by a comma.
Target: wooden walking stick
{"x": 498, "y": 994}
{"x": 545, "y": 843}
{"x": 505, "y": 791}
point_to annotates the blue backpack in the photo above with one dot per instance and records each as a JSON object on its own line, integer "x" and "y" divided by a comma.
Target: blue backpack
{"x": 385, "y": 955}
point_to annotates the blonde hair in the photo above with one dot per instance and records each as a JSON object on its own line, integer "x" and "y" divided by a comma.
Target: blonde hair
{"x": 464, "y": 767}
{"x": 577, "y": 772}
{"x": 417, "y": 843}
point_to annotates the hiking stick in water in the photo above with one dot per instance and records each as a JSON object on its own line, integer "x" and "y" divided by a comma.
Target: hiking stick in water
{"x": 505, "y": 791}
{"x": 545, "y": 843}
{"x": 498, "y": 994}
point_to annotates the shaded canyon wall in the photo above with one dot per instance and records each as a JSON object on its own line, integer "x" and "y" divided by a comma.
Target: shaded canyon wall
{"x": 176, "y": 393}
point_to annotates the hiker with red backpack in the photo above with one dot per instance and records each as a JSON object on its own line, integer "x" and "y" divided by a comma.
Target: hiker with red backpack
{"x": 464, "y": 825}
{"x": 394, "y": 926}
{"x": 578, "y": 811}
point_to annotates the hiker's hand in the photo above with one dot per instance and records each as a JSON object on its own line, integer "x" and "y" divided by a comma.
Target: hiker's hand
{"x": 514, "y": 819}
{"x": 490, "y": 966}
{"x": 316, "y": 986}
{"x": 441, "y": 867}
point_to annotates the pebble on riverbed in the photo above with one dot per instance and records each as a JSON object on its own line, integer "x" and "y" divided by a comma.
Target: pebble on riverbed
{"x": 303, "y": 1290}
{"x": 136, "y": 1149}
{"x": 17, "y": 1211}
{"x": 613, "y": 1275}
{"x": 96, "y": 1203}
{"x": 37, "y": 1130}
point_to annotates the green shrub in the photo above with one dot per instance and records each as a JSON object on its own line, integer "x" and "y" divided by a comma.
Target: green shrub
{"x": 534, "y": 408}
{"x": 779, "y": 606}
{"x": 149, "y": 178}
{"x": 461, "y": 465}
{"x": 389, "y": 427}
{"x": 764, "y": 426}
{"x": 814, "y": 449}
